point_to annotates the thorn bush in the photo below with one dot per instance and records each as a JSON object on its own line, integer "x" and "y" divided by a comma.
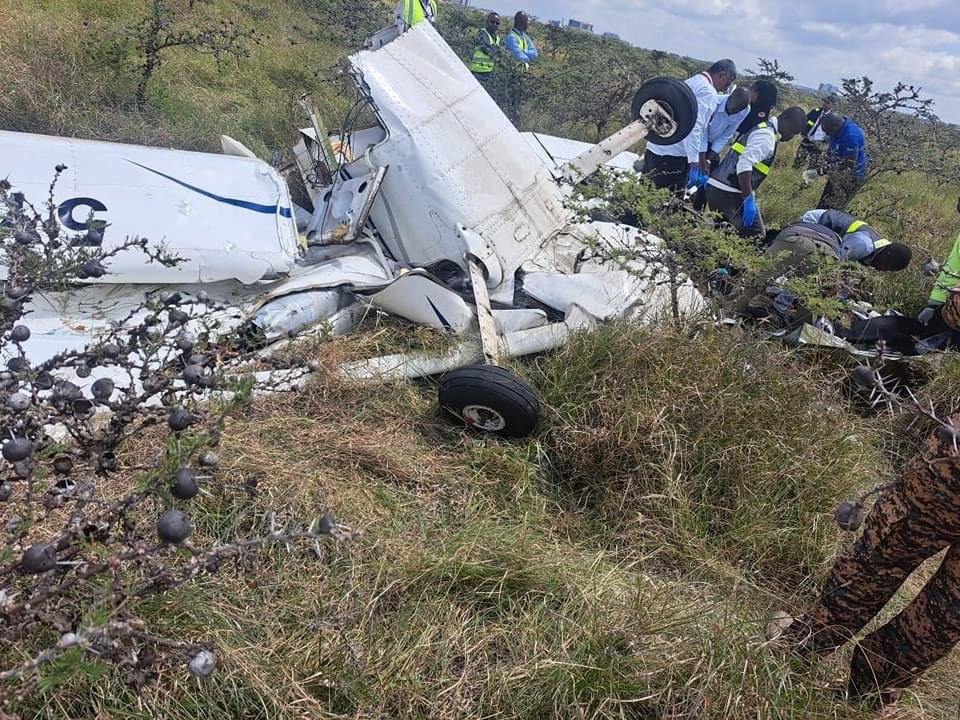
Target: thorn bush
{"x": 87, "y": 536}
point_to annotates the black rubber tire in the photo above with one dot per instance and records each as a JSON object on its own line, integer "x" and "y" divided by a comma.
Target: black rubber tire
{"x": 508, "y": 403}
{"x": 677, "y": 98}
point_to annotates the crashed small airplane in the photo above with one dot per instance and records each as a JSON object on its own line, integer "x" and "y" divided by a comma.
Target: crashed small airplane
{"x": 443, "y": 214}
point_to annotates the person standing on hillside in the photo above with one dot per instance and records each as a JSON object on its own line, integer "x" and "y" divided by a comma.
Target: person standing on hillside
{"x": 519, "y": 44}
{"x": 846, "y": 163}
{"x": 722, "y": 128}
{"x": 732, "y": 185}
{"x": 685, "y": 163}
{"x": 763, "y": 99}
{"x": 411, "y": 12}
{"x": 486, "y": 49}
{"x": 811, "y": 147}
{"x": 911, "y": 523}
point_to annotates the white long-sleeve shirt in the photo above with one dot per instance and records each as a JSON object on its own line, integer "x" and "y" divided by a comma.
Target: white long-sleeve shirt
{"x": 689, "y": 147}
{"x": 722, "y": 127}
{"x": 761, "y": 144}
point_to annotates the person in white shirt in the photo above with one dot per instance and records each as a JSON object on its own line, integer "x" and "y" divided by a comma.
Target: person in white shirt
{"x": 731, "y": 111}
{"x": 733, "y": 183}
{"x": 684, "y": 163}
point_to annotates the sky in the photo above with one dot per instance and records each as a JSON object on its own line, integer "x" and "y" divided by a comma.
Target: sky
{"x": 818, "y": 41}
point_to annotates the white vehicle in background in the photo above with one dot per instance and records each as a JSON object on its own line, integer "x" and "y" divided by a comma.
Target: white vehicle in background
{"x": 443, "y": 214}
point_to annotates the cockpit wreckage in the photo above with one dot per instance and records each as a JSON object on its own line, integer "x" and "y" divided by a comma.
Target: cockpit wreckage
{"x": 442, "y": 214}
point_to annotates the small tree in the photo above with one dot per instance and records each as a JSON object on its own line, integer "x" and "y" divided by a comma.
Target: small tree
{"x": 595, "y": 90}
{"x": 770, "y": 70}
{"x": 167, "y": 27}
{"x": 89, "y": 534}
{"x": 348, "y": 21}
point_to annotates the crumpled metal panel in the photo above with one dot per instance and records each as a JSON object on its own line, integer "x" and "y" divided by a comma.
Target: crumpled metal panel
{"x": 454, "y": 158}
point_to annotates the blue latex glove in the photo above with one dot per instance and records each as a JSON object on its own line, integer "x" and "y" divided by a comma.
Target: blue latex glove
{"x": 749, "y": 211}
{"x": 695, "y": 177}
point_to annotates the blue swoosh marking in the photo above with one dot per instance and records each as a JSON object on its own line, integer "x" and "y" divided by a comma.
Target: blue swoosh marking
{"x": 245, "y": 204}
{"x": 443, "y": 321}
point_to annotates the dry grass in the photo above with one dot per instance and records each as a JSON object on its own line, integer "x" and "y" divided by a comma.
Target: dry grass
{"x": 621, "y": 564}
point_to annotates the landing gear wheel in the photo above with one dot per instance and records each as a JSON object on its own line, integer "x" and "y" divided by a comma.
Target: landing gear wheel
{"x": 676, "y": 98}
{"x": 490, "y": 399}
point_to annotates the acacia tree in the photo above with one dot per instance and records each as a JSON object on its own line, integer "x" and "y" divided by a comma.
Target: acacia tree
{"x": 902, "y": 130}
{"x": 595, "y": 89}
{"x": 90, "y": 533}
{"x": 770, "y": 70}
{"x": 168, "y": 26}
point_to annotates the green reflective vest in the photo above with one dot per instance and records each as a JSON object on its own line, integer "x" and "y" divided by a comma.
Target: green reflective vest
{"x": 413, "y": 11}
{"x": 949, "y": 276}
{"x": 482, "y": 62}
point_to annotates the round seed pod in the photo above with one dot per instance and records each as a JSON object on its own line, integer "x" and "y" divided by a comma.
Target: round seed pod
{"x": 850, "y": 515}
{"x": 19, "y": 402}
{"x": 186, "y": 341}
{"x": 177, "y": 316}
{"x": 209, "y": 460}
{"x": 62, "y": 465}
{"x": 180, "y": 419}
{"x": 111, "y": 350}
{"x": 184, "y": 484}
{"x": 83, "y": 371}
{"x": 326, "y": 525}
{"x": 107, "y": 462}
{"x": 103, "y": 388}
{"x": 18, "y": 365}
{"x": 173, "y": 527}
{"x": 203, "y": 664}
{"x": 20, "y": 334}
{"x": 5, "y": 492}
{"x": 39, "y": 559}
{"x": 83, "y": 408}
{"x": 17, "y": 450}
{"x": 865, "y": 377}
{"x": 92, "y": 268}
{"x": 192, "y": 374}
{"x": 43, "y": 381}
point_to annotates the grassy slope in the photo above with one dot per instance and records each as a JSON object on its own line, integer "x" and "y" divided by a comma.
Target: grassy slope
{"x": 619, "y": 564}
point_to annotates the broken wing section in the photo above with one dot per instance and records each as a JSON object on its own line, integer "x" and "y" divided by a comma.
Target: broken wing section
{"x": 454, "y": 159}
{"x": 227, "y": 217}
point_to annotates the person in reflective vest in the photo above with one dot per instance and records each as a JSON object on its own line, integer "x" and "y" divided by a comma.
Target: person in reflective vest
{"x": 410, "y": 12}
{"x": 519, "y": 44}
{"x": 486, "y": 48}
{"x": 731, "y": 187}
{"x": 942, "y": 312}
{"x": 861, "y": 243}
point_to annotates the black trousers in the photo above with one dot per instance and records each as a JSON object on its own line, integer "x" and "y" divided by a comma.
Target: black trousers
{"x": 730, "y": 205}
{"x": 666, "y": 171}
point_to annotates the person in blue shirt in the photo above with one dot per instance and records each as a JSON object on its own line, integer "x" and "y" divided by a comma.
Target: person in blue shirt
{"x": 847, "y": 161}
{"x": 519, "y": 44}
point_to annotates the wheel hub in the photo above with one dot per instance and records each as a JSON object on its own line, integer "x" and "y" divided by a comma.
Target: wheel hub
{"x": 483, "y": 418}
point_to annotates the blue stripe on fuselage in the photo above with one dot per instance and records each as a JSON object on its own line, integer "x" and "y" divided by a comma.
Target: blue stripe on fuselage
{"x": 245, "y": 204}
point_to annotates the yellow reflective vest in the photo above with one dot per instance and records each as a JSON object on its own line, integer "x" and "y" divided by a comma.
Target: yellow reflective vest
{"x": 482, "y": 62}
{"x": 949, "y": 276}
{"x": 414, "y": 12}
